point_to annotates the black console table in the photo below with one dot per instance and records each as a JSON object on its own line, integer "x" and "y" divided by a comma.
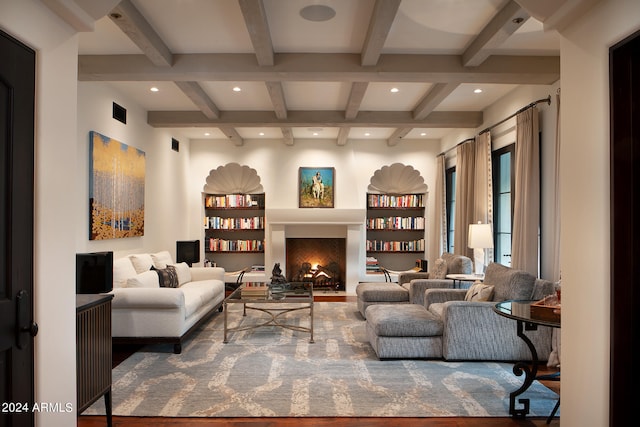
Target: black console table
{"x": 520, "y": 311}
{"x": 93, "y": 351}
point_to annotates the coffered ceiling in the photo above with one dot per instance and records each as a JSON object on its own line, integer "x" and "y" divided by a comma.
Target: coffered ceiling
{"x": 330, "y": 69}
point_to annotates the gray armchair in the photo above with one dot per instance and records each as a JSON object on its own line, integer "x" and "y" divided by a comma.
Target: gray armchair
{"x": 473, "y": 331}
{"x": 447, "y": 264}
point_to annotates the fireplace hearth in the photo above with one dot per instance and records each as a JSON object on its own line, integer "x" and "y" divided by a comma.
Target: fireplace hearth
{"x": 321, "y": 261}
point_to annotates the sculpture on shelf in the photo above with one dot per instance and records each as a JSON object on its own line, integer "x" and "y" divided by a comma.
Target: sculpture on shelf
{"x": 276, "y": 275}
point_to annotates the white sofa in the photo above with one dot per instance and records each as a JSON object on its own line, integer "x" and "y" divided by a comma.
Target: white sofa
{"x": 147, "y": 309}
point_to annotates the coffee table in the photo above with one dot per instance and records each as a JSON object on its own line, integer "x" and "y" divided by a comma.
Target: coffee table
{"x": 520, "y": 311}
{"x": 276, "y": 305}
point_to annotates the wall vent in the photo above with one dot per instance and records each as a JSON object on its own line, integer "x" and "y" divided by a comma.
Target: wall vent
{"x": 119, "y": 113}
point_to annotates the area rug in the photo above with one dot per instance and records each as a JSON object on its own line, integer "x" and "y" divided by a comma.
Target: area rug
{"x": 276, "y": 372}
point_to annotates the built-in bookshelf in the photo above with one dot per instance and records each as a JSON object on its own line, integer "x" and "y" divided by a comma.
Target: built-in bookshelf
{"x": 395, "y": 230}
{"x": 234, "y": 229}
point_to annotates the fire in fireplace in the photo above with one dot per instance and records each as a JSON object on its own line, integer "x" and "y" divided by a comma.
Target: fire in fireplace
{"x": 321, "y": 261}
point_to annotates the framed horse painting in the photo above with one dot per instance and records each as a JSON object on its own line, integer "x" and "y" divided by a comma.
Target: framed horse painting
{"x": 316, "y": 187}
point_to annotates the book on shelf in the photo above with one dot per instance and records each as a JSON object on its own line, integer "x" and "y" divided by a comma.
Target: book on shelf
{"x": 396, "y": 223}
{"x": 221, "y": 223}
{"x": 395, "y": 201}
{"x": 395, "y": 246}
{"x": 232, "y": 201}
{"x": 222, "y": 245}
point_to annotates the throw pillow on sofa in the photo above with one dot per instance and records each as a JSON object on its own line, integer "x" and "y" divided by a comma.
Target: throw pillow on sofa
{"x": 141, "y": 262}
{"x": 122, "y": 270}
{"x": 148, "y": 279}
{"x": 167, "y": 277}
{"x": 161, "y": 259}
{"x": 479, "y": 292}
{"x": 184, "y": 273}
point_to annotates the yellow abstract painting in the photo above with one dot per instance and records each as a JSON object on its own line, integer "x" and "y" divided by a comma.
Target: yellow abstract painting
{"x": 116, "y": 189}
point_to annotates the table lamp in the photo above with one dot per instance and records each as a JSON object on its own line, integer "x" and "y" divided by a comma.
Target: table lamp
{"x": 480, "y": 238}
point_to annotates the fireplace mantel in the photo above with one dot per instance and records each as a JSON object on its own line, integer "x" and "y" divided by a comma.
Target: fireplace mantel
{"x": 316, "y": 216}
{"x": 318, "y": 222}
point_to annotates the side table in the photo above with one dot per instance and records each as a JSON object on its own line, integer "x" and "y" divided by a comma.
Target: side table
{"x": 520, "y": 311}
{"x": 93, "y": 351}
{"x": 459, "y": 278}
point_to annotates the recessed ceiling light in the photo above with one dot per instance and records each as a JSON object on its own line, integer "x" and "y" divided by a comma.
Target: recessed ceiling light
{"x": 237, "y": 89}
{"x": 423, "y": 134}
{"x": 394, "y": 90}
{"x": 316, "y": 134}
{"x": 154, "y": 89}
{"x": 261, "y": 134}
{"x": 477, "y": 91}
{"x": 367, "y": 134}
{"x": 317, "y": 13}
{"x": 207, "y": 134}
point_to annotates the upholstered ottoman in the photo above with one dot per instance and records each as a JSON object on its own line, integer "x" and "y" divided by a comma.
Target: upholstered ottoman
{"x": 380, "y": 293}
{"x": 404, "y": 332}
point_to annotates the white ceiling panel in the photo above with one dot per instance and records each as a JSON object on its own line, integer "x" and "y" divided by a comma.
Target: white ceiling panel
{"x": 439, "y": 26}
{"x": 315, "y": 132}
{"x": 464, "y": 98}
{"x": 316, "y": 96}
{"x": 198, "y": 26}
{"x": 168, "y": 97}
{"x": 252, "y": 96}
{"x": 380, "y": 98}
{"x": 344, "y": 33}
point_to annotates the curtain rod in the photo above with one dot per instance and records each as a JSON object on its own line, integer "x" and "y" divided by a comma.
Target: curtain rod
{"x": 525, "y": 108}
{"x": 547, "y": 100}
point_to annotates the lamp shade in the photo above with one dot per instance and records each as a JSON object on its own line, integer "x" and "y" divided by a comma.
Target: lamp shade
{"x": 480, "y": 236}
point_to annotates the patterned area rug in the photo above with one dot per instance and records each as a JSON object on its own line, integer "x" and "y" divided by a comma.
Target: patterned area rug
{"x": 275, "y": 372}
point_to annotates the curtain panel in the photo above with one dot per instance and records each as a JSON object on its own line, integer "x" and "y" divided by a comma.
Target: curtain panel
{"x": 526, "y": 209}
{"x": 465, "y": 199}
{"x": 441, "y": 204}
{"x": 483, "y": 185}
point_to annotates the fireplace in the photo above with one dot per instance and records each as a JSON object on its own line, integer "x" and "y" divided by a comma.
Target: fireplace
{"x": 319, "y": 260}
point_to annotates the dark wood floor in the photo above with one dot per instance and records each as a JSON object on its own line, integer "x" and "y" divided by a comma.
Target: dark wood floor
{"x": 120, "y": 353}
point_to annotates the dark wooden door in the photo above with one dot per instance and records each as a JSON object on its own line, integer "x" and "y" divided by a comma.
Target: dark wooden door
{"x": 625, "y": 229}
{"x": 17, "y": 85}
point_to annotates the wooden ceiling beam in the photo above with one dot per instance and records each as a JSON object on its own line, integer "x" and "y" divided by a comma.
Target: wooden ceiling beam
{"x": 198, "y": 96}
{"x": 432, "y": 99}
{"x": 135, "y": 26}
{"x": 287, "y": 135}
{"x": 384, "y": 13}
{"x": 396, "y": 136}
{"x": 343, "y": 135}
{"x": 356, "y": 95}
{"x": 500, "y": 28}
{"x": 255, "y": 19}
{"x": 232, "y": 135}
{"x": 314, "y": 118}
{"x": 322, "y": 68}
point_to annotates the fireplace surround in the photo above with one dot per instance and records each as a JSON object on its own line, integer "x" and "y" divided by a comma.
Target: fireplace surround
{"x": 321, "y": 260}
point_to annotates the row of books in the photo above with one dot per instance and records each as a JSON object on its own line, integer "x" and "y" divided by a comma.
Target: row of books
{"x": 222, "y": 245}
{"x": 395, "y": 246}
{"x": 395, "y": 201}
{"x": 396, "y": 223}
{"x": 247, "y": 223}
{"x": 232, "y": 201}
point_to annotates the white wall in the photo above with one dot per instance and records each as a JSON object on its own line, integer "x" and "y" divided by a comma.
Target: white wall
{"x": 166, "y": 172}
{"x": 585, "y": 208}
{"x": 277, "y": 164}
{"x": 55, "y": 174}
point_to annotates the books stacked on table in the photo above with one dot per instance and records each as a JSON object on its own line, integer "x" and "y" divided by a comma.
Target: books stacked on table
{"x": 255, "y": 290}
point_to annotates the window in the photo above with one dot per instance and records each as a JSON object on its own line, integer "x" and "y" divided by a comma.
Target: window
{"x": 451, "y": 205}
{"x": 503, "y": 183}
